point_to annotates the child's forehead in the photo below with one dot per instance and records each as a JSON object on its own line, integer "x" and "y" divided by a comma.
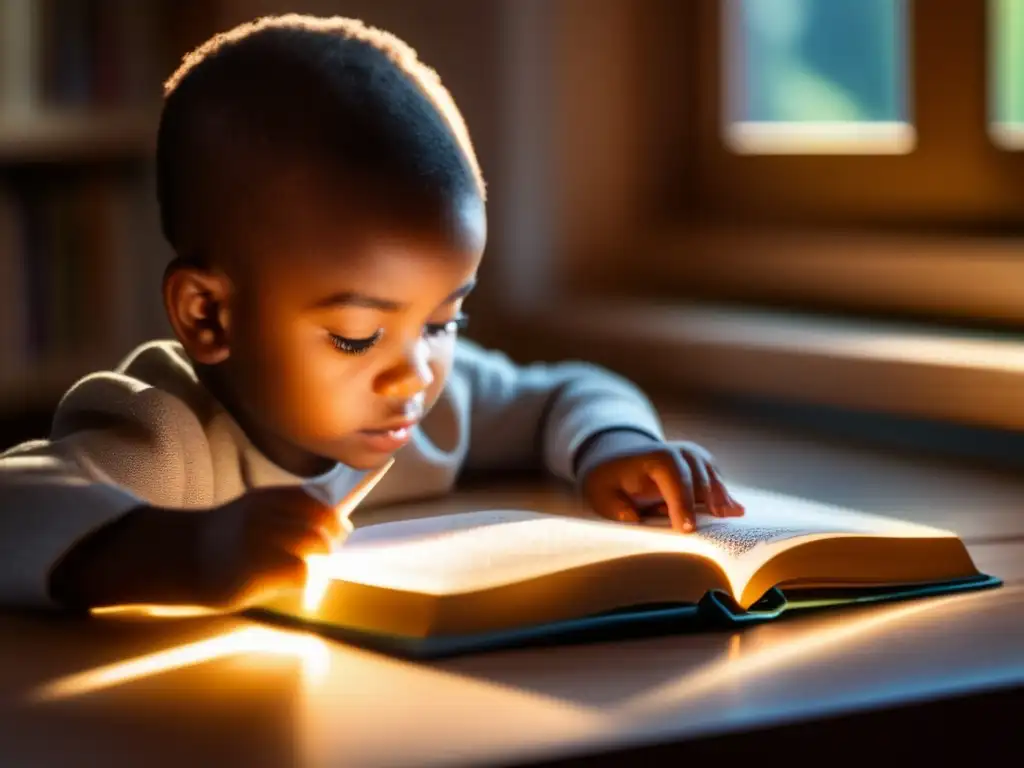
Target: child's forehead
{"x": 311, "y": 236}
{"x": 405, "y": 263}
{"x": 365, "y": 246}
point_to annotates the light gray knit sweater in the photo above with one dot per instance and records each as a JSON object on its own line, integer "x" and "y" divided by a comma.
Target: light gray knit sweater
{"x": 149, "y": 432}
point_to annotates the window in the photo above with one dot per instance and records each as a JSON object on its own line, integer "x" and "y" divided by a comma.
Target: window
{"x": 1006, "y": 73}
{"x": 808, "y": 76}
{"x": 864, "y": 113}
{"x": 868, "y": 170}
{"x": 847, "y": 155}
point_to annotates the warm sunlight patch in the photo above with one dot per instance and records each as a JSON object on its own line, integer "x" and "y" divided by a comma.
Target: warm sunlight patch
{"x": 1008, "y": 136}
{"x": 255, "y": 640}
{"x": 740, "y": 665}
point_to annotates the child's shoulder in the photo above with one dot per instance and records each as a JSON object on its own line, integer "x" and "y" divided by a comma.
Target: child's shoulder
{"x": 141, "y": 425}
{"x": 153, "y": 387}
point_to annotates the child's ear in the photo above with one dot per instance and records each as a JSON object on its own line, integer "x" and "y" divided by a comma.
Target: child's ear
{"x": 197, "y": 304}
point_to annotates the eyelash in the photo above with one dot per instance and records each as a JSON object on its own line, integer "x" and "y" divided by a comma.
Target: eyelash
{"x": 362, "y": 346}
{"x": 355, "y": 346}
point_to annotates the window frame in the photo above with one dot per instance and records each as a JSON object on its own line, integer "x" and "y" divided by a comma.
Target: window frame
{"x": 949, "y": 110}
{"x": 941, "y": 223}
{"x": 822, "y": 136}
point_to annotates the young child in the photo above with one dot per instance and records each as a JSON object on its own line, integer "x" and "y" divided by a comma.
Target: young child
{"x": 321, "y": 193}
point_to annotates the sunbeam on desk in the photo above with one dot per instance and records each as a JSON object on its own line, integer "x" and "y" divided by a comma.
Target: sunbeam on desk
{"x": 743, "y": 666}
{"x": 310, "y": 650}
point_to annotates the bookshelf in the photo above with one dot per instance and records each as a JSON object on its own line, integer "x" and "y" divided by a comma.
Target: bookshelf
{"x": 56, "y": 135}
{"x": 81, "y": 254}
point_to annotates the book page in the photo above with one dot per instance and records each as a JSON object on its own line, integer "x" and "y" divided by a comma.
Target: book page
{"x": 774, "y": 523}
{"x": 773, "y": 518}
{"x": 777, "y": 511}
{"x": 478, "y": 550}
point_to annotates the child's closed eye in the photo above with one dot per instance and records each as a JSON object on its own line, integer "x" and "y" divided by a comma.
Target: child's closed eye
{"x": 355, "y": 346}
{"x": 456, "y": 324}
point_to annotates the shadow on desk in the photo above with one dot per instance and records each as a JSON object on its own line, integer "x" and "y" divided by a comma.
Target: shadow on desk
{"x": 975, "y": 726}
{"x": 917, "y": 679}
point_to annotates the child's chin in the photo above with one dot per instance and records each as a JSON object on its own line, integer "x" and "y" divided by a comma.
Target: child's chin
{"x": 365, "y": 450}
{"x": 363, "y": 460}
{"x": 365, "y": 465}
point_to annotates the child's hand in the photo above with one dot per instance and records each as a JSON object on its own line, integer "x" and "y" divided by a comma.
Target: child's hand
{"x": 673, "y": 479}
{"x": 258, "y": 543}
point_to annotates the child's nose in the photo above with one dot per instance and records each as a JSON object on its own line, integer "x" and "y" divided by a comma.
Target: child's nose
{"x": 410, "y": 375}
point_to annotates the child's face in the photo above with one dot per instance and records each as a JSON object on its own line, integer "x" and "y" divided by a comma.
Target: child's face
{"x": 341, "y": 332}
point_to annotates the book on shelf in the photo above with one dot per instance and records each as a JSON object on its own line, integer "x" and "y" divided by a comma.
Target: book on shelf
{"x": 81, "y": 254}
{"x": 19, "y": 64}
{"x": 469, "y": 581}
{"x": 80, "y": 264}
{"x": 68, "y": 55}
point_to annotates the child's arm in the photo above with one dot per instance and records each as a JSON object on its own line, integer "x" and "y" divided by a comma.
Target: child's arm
{"x": 119, "y": 453}
{"x": 549, "y": 415}
{"x": 586, "y": 425}
{"x": 116, "y": 509}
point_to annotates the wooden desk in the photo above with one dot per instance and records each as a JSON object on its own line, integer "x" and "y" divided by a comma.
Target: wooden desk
{"x": 227, "y": 692}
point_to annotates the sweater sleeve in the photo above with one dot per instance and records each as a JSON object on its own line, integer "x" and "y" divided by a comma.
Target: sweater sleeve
{"x": 541, "y": 415}
{"x": 112, "y": 449}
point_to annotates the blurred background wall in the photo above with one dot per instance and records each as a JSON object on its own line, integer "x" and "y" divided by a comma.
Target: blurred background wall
{"x": 811, "y": 201}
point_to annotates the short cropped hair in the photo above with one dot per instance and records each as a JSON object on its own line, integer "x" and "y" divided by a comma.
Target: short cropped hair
{"x": 334, "y": 94}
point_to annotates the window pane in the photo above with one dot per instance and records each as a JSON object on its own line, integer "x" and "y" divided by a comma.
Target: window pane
{"x": 1006, "y": 72}
{"x": 817, "y": 75}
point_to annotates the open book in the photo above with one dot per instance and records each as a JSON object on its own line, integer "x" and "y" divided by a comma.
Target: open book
{"x": 456, "y": 582}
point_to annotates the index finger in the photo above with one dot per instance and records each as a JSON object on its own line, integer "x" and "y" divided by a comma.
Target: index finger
{"x": 675, "y": 482}
{"x": 731, "y": 507}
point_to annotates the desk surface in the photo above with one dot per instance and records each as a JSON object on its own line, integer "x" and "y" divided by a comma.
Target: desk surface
{"x": 211, "y": 691}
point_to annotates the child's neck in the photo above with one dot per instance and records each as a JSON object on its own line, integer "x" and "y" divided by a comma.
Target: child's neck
{"x": 288, "y": 457}
{"x": 285, "y": 455}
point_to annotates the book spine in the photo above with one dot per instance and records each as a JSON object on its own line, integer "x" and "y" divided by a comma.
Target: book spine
{"x": 56, "y": 256}
{"x": 34, "y": 227}
{"x": 20, "y": 22}
{"x": 70, "y": 273}
{"x": 106, "y": 88}
{"x": 13, "y": 304}
{"x": 137, "y": 52}
{"x": 70, "y": 52}
{"x": 79, "y": 54}
{"x": 98, "y": 261}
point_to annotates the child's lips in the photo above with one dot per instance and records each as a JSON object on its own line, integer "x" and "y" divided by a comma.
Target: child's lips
{"x": 388, "y": 439}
